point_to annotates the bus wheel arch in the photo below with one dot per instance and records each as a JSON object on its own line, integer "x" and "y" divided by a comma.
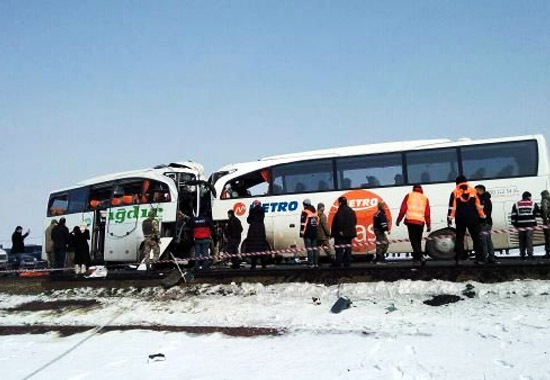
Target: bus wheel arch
{"x": 441, "y": 244}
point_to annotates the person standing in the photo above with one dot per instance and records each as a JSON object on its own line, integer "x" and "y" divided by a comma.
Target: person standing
{"x": 545, "y": 214}
{"x": 203, "y": 229}
{"x": 48, "y": 243}
{"x": 486, "y": 225}
{"x": 415, "y": 208}
{"x": 233, "y": 235}
{"x": 61, "y": 239}
{"x": 466, "y": 210}
{"x": 308, "y": 232}
{"x": 524, "y": 218}
{"x": 81, "y": 249}
{"x": 323, "y": 232}
{"x": 380, "y": 226}
{"x": 343, "y": 230}
{"x": 18, "y": 244}
{"x": 150, "y": 228}
{"x": 18, "y": 240}
{"x": 256, "y": 239}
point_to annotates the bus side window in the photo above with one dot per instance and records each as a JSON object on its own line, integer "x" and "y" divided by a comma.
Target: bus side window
{"x": 58, "y": 205}
{"x": 432, "y": 166}
{"x": 303, "y": 176}
{"x": 100, "y": 197}
{"x": 158, "y": 192}
{"x": 78, "y": 200}
{"x": 369, "y": 172}
{"x": 249, "y": 185}
{"x": 500, "y": 160}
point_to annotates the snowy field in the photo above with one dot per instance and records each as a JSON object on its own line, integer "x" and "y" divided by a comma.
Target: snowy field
{"x": 501, "y": 331}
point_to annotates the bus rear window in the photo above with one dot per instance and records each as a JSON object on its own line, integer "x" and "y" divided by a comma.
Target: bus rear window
{"x": 58, "y": 204}
{"x": 513, "y": 159}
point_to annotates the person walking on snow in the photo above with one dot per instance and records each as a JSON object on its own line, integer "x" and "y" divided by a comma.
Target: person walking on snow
{"x": 415, "y": 208}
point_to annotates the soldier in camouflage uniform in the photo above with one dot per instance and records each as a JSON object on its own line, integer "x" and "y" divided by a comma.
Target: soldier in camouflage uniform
{"x": 150, "y": 227}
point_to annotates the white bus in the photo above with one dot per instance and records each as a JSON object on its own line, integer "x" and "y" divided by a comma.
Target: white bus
{"x": 370, "y": 173}
{"x": 114, "y": 206}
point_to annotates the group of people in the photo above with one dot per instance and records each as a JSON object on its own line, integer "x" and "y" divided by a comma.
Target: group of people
{"x": 64, "y": 248}
{"x": 470, "y": 210}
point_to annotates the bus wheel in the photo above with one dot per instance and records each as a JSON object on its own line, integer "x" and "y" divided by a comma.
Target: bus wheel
{"x": 441, "y": 244}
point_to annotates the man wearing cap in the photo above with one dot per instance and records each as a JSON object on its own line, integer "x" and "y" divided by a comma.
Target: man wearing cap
{"x": 415, "y": 208}
{"x": 524, "y": 214}
{"x": 308, "y": 231}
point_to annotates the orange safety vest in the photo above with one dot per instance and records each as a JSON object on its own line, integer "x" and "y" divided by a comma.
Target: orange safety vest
{"x": 416, "y": 207}
{"x": 471, "y": 193}
{"x": 309, "y": 214}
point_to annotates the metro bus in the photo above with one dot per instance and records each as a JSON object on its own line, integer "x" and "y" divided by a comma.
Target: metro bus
{"x": 114, "y": 206}
{"x": 368, "y": 174}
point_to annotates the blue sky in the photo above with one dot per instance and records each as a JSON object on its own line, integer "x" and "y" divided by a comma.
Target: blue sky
{"x": 92, "y": 87}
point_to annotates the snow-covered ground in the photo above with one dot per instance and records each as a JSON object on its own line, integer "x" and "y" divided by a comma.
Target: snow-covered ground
{"x": 503, "y": 332}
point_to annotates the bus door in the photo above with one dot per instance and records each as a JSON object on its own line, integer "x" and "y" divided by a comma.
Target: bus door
{"x": 99, "y": 218}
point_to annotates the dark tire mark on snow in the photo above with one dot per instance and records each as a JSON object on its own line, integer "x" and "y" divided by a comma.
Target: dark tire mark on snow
{"x": 67, "y": 330}
{"x": 58, "y": 305}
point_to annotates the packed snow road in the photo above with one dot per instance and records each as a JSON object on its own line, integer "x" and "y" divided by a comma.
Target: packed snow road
{"x": 480, "y": 331}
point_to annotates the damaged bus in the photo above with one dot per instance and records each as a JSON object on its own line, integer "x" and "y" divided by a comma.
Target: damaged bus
{"x": 114, "y": 206}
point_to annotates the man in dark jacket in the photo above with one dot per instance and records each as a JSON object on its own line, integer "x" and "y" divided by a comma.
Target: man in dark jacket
{"x": 343, "y": 230}
{"x": 308, "y": 231}
{"x": 486, "y": 224}
{"x": 61, "y": 238}
{"x": 18, "y": 245}
{"x": 524, "y": 217}
{"x": 256, "y": 239}
{"x": 466, "y": 210}
{"x": 380, "y": 226}
{"x": 233, "y": 233}
{"x": 545, "y": 214}
{"x": 18, "y": 240}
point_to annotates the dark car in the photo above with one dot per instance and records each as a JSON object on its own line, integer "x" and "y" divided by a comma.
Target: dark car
{"x": 31, "y": 259}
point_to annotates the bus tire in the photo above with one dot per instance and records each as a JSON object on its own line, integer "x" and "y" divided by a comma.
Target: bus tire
{"x": 441, "y": 244}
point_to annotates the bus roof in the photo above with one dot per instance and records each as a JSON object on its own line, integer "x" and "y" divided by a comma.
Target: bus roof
{"x": 388, "y": 147}
{"x": 156, "y": 173}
